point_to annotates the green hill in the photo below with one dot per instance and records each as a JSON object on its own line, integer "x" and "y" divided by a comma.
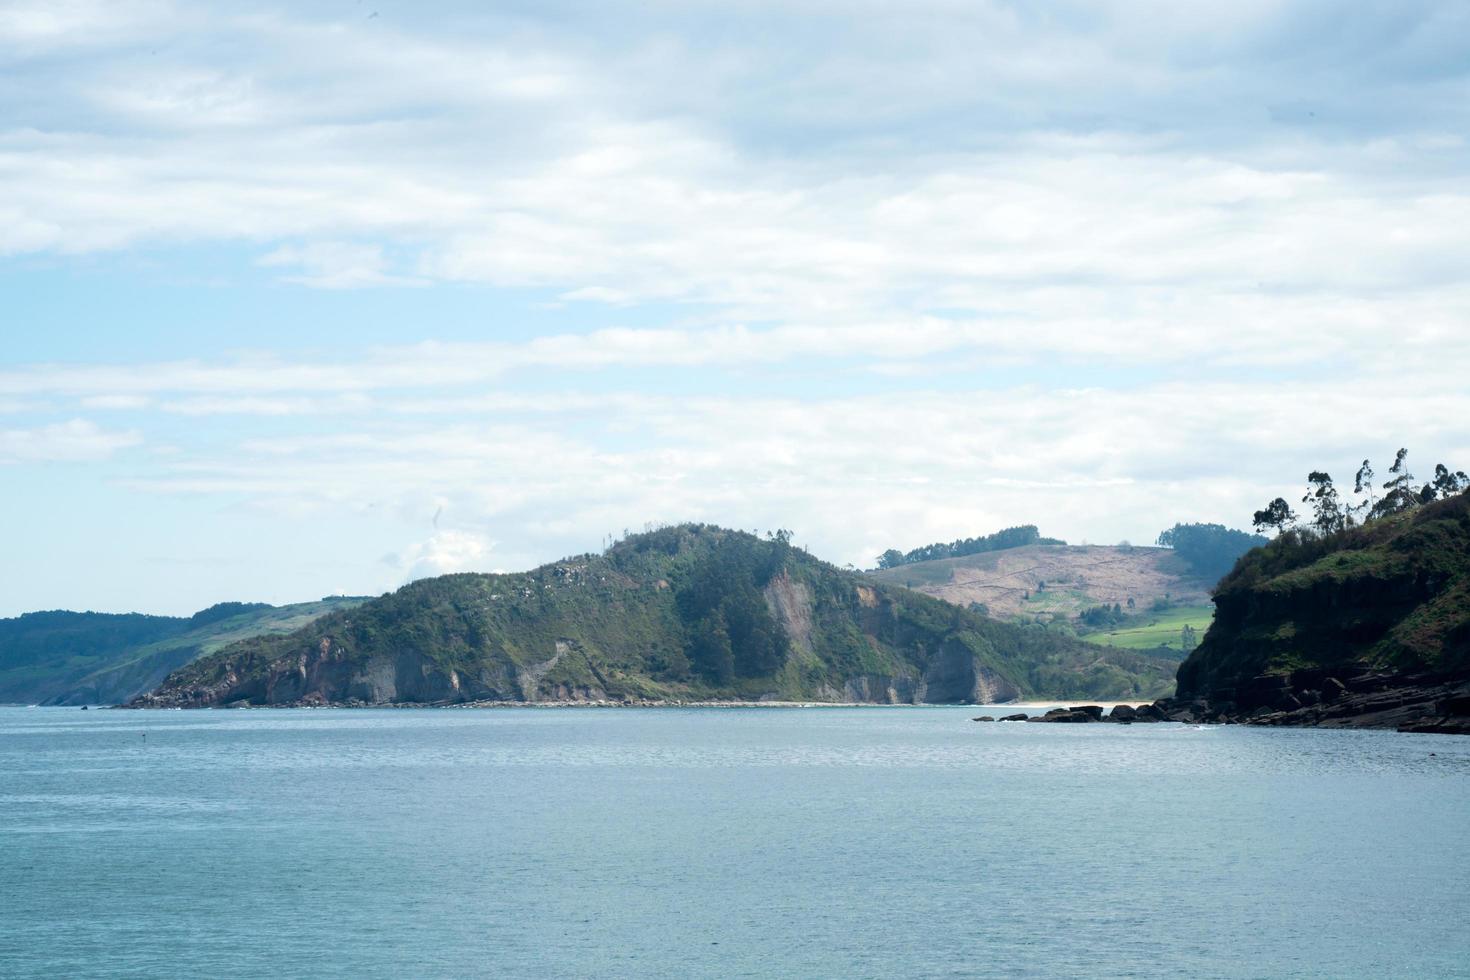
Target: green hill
{"x": 1369, "y": 625}
{"x": 1390, "y": 595}
{"x": 682, "y": 613}
{"x": 62, "y": 657}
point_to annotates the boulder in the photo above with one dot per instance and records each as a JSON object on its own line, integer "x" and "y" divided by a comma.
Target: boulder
{"x": 983, "y": 718}
{"x": 1019, "y": 716}
{"x": 1093, "y": 710}
{"x": 1067, "y": 716}
{"x": 1458, "y": 704}
{"x": 1123, "y": 712}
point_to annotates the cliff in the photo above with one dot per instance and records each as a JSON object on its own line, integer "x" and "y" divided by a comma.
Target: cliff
{"x": 1369, "y": 627}
{"x": 683, "y": 613}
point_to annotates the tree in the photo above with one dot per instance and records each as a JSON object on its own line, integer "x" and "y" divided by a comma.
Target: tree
{"x": 710, "y": 650}
{"x": 1447, "y": 484}
{"x": 1011, "y": 537}
{"x": 1327, "y": 512}
{"x": 1210, "y": 550}
{"x": 1399, "y": 490}
{"x": 1276, "y": 515}
{"x": 1362, "y": 484}
{"x": 891, "y": 558}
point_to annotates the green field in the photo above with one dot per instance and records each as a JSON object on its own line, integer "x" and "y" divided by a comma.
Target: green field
{"x": 1156, "y": 629}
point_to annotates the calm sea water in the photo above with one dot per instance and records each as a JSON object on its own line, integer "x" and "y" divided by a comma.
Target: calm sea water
{"x": 835, "y": 842}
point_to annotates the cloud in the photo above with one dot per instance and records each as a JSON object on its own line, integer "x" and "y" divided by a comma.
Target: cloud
{"x": 76, "y": 441}
{"x": 442, "y": 553}
{"x": 336, "y": 265}
{"x": 1096, "y": 463}
{"x": 881, "y": 273}
{"x": 115, "y": 402}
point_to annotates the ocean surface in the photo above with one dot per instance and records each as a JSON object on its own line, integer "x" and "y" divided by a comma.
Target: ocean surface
{"x": 722, "y": 842}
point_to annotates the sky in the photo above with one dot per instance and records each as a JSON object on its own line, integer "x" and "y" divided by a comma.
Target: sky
{"x": 323, "y": 297}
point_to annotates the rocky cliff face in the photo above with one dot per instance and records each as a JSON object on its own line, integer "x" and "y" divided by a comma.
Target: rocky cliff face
{"x": 1370, "y": 628}
{"x": 688, "y": 613}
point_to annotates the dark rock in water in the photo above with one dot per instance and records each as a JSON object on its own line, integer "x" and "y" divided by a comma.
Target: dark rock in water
{"x": 84, "y": 707}
{"x": 1095, "y": 710}
{"x": 1069, "y": 716}
{"x": 1123, "y": 712}
{"x": 983, "y": 718}
{"x": 1018, "y": 716}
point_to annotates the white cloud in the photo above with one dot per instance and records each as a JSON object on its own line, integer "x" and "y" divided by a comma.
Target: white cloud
{"x": 115, "y": 402}
{"x": 1101, "y": 464}
{"x": 336, "y": 265}
{"x": 76, "y": 441}
{"x": 444, "y": 552}
{"x": 1100, "y": 267}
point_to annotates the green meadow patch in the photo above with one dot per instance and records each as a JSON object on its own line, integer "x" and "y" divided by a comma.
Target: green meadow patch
{"x": 1157, "y": 629}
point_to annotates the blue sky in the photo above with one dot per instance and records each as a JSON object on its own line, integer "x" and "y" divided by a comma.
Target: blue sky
{"x": 314, "y": 298}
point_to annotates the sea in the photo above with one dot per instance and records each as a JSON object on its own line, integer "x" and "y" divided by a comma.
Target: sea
{"x": 722, "y": 842}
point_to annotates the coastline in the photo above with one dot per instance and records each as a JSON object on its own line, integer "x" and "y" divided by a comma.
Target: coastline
{"x": 1006, "y": 705}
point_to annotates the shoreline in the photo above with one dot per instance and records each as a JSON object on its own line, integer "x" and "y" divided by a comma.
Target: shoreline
{"x": 1008, "y": 705}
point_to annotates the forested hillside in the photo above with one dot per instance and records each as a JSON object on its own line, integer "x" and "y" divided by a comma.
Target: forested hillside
{"x": 687, "y": 612}
{"x": 64, "y": 657}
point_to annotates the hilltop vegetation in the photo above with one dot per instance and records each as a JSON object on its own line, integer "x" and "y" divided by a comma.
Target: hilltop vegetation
{"x": 1210, "y": 550}
{"x": 62, "y": 657}
{"x": 1392, "y": 594}
{"x": 688, "y": 612}
{"x": 1357, "y": 616}
{"x": 1011, "y": 537}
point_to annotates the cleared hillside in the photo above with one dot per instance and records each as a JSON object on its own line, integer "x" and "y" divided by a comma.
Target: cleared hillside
{"x": 1050, "y": 581}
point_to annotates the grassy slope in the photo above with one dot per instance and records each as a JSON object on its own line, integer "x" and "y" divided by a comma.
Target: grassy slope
{"x": 1151, "y": 630}
{"x": 88, "y": 659}
{"x": 1394, "y": 594}
{"x": 611, "y": 623}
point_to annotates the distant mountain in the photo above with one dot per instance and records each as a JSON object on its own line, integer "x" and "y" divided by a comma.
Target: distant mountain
{"x": 64, "y": 657}
{"x": 688, "y": 613}
{"x": 1056, "y": 581}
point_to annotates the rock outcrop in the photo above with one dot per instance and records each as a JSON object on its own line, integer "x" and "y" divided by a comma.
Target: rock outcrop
{"x": 1348, "y": 697}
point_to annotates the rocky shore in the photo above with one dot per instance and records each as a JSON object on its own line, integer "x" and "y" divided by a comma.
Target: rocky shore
{"x": 1350, "y": 697}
